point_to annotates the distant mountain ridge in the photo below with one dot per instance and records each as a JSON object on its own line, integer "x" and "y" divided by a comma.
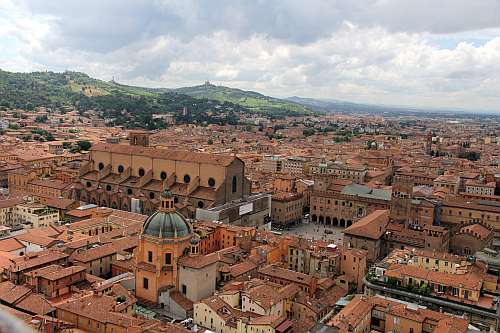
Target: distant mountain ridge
{"x": 333, "y": 105}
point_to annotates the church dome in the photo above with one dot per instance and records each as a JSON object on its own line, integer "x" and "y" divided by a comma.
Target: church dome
{"x": 166, "y": 225}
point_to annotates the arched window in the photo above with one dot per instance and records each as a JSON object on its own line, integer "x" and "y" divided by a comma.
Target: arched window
{"x": 89, "y": 184}
{"x": 200, "y": 204}
{"x": 176, "y": 200}
{"x": 187, "y": 179}
{"x": 120, "y": 169}
{"x": 108, "y": 187}
{"x": 129, "y": 191}
{"x": 163, "y": 175}
{"x": 211, "y": 182}
{"x": 141, "y": 172}
{"x": 151, "y": 195}
{"x": 101, "y": 166}
{"x": 234, "y": 185}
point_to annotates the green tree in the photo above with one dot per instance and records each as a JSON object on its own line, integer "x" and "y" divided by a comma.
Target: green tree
{"x": 41, "y": 119}
{"x": 84, "y": 145}
{"x": 210, "y": 141}
{"x": 49, "y": 137}
{"x": 424, "y": 289}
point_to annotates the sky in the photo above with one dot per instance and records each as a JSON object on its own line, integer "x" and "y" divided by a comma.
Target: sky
{"x": 419, "y": 53}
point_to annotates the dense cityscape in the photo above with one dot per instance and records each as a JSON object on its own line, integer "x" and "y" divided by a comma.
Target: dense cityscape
{"x": 310, "y": 223}
{"x": 127, "y": 208}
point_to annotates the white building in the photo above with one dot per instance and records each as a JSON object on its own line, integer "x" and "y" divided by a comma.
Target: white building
{"x": 480, "y": 189}
{"x": 294, "y": 165}
{"x": 272, "y": 163}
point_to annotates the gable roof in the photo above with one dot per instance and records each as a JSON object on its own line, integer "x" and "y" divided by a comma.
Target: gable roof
{"x": 372, "y": 226}
{"x": 176, "y": 155}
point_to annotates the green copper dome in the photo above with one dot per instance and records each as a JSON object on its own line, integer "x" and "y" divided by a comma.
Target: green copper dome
{"x": 166, "y": 225}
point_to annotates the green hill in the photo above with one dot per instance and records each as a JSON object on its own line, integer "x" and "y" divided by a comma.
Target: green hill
{"x": 250, "y": 99}
{"x": 134, "y": 106}
{"x": 57, "y": 89}
{"x": 120, "y": 104}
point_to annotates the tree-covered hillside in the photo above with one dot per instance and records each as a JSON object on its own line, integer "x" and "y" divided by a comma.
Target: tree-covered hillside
{"x": 119, "y": 104}
{"x": 134, "y": 106}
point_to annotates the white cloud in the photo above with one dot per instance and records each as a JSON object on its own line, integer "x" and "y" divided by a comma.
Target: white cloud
{"x": 377, "y": 51}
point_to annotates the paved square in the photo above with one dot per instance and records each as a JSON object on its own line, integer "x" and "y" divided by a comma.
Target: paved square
{"x": 316, "y": 231}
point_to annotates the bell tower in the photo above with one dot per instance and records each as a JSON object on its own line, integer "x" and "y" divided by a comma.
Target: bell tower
{"x": 402, "y": 190}
{"x": 428, "y": 143}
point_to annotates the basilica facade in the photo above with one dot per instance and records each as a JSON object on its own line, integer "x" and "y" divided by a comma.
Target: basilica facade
{"x": 132, "y": 177}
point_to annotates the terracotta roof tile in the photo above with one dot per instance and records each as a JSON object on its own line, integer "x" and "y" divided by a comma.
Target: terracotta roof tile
{"x": 371, "y": 226}
{"x": 187, "y": 156}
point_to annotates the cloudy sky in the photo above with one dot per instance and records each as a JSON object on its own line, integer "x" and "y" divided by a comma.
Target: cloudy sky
{"x": 423, "y": 53}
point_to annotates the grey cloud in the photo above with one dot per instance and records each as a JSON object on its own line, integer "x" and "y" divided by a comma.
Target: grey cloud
{"x": 102, "y": 26}
{"x": 346, "y": 49}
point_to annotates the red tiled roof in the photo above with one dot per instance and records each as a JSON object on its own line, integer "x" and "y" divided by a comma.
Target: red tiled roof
{"x": 11, "y": 244}
{"x": 218, "y": 159}
{"x": 371, "y": 226}
{"x": 181, "y": 300}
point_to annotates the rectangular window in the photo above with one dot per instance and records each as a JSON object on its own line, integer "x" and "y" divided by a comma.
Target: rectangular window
{"x": 150, "y": 256}
{"x": 168, "y": 258}
{"x": 145, "y": 283}
{"x": 184, "y": 289}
